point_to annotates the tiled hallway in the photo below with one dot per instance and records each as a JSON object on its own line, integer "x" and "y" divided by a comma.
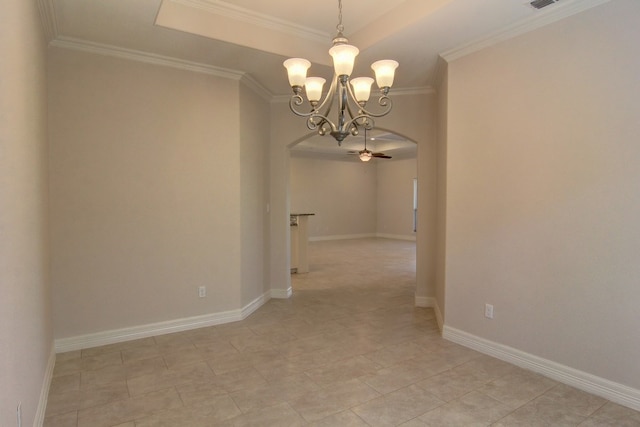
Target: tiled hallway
{"x": 348, "y": 349}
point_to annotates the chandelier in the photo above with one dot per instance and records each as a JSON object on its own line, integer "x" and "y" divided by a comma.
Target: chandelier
{"x": 352, "y": 94}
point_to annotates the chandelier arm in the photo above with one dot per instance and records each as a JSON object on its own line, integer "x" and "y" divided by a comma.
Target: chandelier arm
{"x": 324, "y": 120}
{"x": 328, "y": 100}
{"x": 343, "y": 102}
{"x": 297, "y": 100}
{"x": 352, "y": 98}
{"x": 352, "y": 125}
{"x": 366, "y": 122}
{"x": 385, "y": 102}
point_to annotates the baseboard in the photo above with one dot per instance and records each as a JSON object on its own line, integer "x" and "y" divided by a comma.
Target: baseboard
{"x": 424, "y": 301}
{"x": 439, "y": 318}
{"x": 341, "y": 237}
{"x": 607, "y": 389}
{"x": 362, "y": 236}
{"x": 281, "y": 293}
{"x": 430, "y": 302}
{"x": 396, "y": 237}
{"x": 248, "y": 309}
{"x": 44, "y": 391}
{"x": 143, "y": 331}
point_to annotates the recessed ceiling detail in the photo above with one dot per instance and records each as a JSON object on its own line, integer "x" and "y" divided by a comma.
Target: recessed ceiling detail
{"x": 249, "y": 16}
{"x": 223, "y": 21}
{"x": 253, "y": 37}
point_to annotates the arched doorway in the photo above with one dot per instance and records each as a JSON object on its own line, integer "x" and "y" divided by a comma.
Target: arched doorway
{"x": 352, "y": 199}
{"x": 415, "y": 114}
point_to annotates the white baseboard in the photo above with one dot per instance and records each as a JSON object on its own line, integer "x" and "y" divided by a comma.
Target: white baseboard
{"x": 143, "y": 331}
{"x": 439, "y": 318}
{"x": 44, "y": 391}
{"x": 610, "y": 390}
{"x": 396, "y": 236}
{"x": 281, "y": 293}
{"x": 424, "y": 301}
{"x": 341, "y": 237}
{"x": 431, "y": 302}
{"x": 362, "y": 236}
{"x": 254, "y": 305}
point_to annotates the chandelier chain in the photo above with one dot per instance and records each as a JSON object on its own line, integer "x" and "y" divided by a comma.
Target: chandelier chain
{"x": 340, "y": 27}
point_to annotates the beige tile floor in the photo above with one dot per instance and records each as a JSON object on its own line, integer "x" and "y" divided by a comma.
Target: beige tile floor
{"x": 347, "y": 349}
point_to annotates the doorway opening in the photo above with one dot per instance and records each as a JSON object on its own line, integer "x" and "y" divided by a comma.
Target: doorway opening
{"x": 356, "y": 206}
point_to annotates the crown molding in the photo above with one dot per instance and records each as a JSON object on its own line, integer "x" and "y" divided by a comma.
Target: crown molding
{"x": 438, "y": 72}
{"x": 48, "y": 19}
{"x": 408, "y": 91}
{"x": 256, "y": 87}
{"x": 242, "y": 14}
{"x": 542, "y": 18}
{"x": 165, "y": 61}
{"x": 146, "y": 57}
{"x": 280, "y": 99}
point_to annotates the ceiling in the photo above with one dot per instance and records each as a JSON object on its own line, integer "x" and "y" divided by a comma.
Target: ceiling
{"x": 251, "y": 38}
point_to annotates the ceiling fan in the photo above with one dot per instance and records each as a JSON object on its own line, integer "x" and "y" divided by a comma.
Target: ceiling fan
{"x": 366, "y": 155}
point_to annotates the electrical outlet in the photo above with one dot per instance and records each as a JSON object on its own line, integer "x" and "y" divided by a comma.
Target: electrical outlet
{"x": 202, "y": 291}
{"x": 19, "y": 414}
{"x": 488, "y": 311}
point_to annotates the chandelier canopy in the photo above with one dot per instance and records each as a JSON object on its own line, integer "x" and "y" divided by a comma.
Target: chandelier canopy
{"x": 351, "y": 94}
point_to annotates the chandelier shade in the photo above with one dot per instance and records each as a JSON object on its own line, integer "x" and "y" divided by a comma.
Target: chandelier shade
{"x": 313, "y": 87}
{"x": 385, "y": 72}
{"x": 297, "y": 71}
{"x": 350, "y": 95}
{"x": 362, "y": 88}
{"x": 344, "y": 57}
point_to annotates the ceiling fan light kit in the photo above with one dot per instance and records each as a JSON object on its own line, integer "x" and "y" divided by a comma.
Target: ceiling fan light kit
{"x": 366, "y": 155}
{"x": 352, "y": 94}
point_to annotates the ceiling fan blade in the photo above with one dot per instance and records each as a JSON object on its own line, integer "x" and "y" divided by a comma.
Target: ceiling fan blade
{"x": 381, "y": 155}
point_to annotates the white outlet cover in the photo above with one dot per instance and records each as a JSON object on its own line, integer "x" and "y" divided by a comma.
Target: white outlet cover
{"x": 488, "y": 311}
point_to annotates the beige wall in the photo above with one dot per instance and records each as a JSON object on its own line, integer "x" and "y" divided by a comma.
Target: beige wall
{"x": 341, "y": 194}
{"x": 26, "y": 341}
{"x": 394, "y": 197}
{"x": 254, "y": 143}
{"x": 352, "y": 199}
{"x": 441, "y": 192}
{"x": 425, "y": 115}
{"x": 542, "y": 192}
{"x": 146, "y": 195}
